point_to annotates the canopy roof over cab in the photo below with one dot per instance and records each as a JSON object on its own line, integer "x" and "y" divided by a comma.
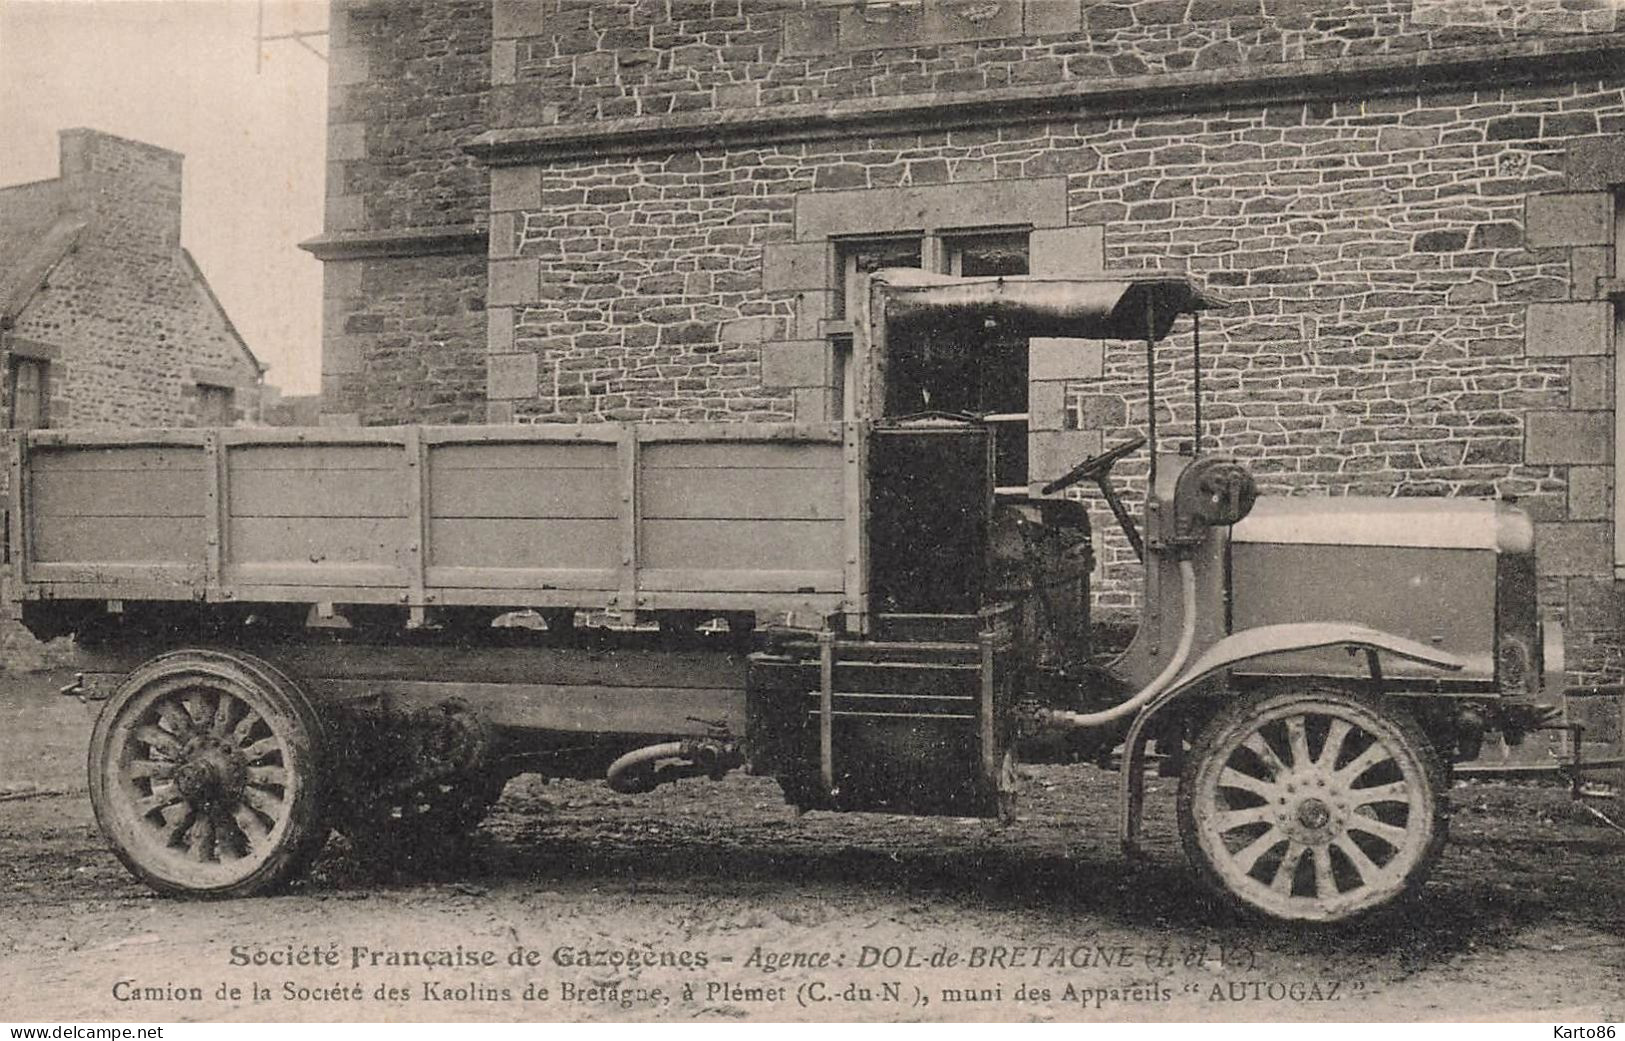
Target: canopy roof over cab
{"x": 1112, "y": 305}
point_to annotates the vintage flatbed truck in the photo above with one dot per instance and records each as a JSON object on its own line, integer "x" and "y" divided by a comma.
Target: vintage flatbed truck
{"x": 296, "y": 630}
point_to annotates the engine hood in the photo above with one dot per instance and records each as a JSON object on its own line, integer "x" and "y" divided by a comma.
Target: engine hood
{"x": 1363, "y": 521}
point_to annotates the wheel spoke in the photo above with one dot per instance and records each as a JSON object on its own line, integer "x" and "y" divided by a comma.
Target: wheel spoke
{"x": 1332, "y": 747}
{"x": 1364, "y": 866}
{"x": 1325, "y": 881}
{"x": 262, "y": 748}
{"x": 1248, "y": 855}
{"x": 1377, "y": 753}
{"x": 175, "y": 720}
{"x": 174, "y": 829}
{"x": 1256, "y": 744}
{"x": 1297, "y": 738}
{"x": 198, "y": 711}
{"x": 1388, "y": 833}
{"x": 1287, "y": 869}
{"x": 1398, "y": 791}
{"x": 170, "y": 796}
{"x": 200, "y": 841}
{"x": 152, "y": 769}
{"x": 268, "y": 775}
{"x": 1232, "y": 778}
{"x": 1230, "y": 820}
{"x": 253, "y": 828}
{"x": 244, "y": 727}
{"x": 158, "y": 738}
{"x": 225, "y": 714}
{"x": 262, "y": 801}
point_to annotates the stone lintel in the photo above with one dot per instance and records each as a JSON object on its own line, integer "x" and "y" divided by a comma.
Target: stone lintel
{"x": 1038, "y": 202}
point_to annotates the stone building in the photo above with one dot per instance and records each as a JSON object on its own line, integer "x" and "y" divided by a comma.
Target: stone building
{"x": 657, "y": 209}
{"x": 105, "y": 321}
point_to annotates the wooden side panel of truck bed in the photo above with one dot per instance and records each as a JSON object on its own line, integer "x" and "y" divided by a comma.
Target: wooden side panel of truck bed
{"x": 680, "y": 516}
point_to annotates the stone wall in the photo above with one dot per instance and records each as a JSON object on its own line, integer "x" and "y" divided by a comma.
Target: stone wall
{"x": 1415, "y": 301}
{"x": 1419, "y": 254}
{"x": 557, "y": 61}
{"x": 404, "y": 292}
{"x": 405, "y": 340}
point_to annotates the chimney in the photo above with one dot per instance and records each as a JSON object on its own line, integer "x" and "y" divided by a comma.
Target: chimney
{"x": 128, "y": 191}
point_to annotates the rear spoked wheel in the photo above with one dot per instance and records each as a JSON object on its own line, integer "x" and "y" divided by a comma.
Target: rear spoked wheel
{"x": 1317, "y": 806}
{"x": 205, "y": 775}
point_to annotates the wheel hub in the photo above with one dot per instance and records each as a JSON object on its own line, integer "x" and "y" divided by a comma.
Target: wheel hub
{"x": 210, "y": 769}
{"x": 1313, "y": 814}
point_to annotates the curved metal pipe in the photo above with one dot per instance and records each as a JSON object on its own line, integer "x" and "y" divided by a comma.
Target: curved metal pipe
{"x": 1182, "y": 652}
{"x": 618, "y": 770}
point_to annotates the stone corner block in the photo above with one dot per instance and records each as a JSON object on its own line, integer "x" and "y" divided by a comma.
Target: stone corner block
{"x": 795, "y": 265}
{"x": 504, "y": 62}
{"x": 1591, "y": 492}
{"x": 1065, "y": 358}
{"x": 498, "y": 330}
{"x": 1569, "y": 219}
{"x": 812, "y": 309}
{"x": 1596, "y": 163}
{"x": 1079, "y": 250}
{"x": 1051, "y": 453}
{"x": 345, "y": 213}
{"x": 499, "y": 412}
{"x": 346, "y": 141}
{"x": 1046, "y": 405}
{"x": 516, "y": 188}
{"x": 795, "y": 363}
{"x": 513, "y": 19}
{"x": 510, "y": 376}
{"x": 808, "y": 33}
{"x": 811, "y": 404}
{"x": 514, "y": 282}
{"x": 755, "y": 329}
{"x": 1048, "y": 17}
{"x": 1568, "y": 438}
{"x": 1574, "y": 548}
{"x": 342, "y": 356}
{"x": 1565, "y": 328}
{"x": 346, "y": 66}
{"x": 502, "y": 240}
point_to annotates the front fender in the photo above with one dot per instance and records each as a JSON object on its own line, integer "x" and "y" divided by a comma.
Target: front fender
{"x": 1246, "y": 645}
{"x": 1265, "y": 640}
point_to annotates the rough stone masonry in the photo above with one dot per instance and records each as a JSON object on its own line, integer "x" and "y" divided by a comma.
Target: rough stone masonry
{"x": 546, "y": 211}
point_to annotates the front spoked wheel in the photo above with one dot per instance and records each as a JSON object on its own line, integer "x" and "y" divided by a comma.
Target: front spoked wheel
{"x": 1314, "y": 806}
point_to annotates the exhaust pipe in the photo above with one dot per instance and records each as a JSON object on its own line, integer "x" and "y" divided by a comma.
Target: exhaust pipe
{"x": 636, "y": 771}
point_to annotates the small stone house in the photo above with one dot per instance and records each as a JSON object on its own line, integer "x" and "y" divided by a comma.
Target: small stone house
{"x": 105, "y": 320}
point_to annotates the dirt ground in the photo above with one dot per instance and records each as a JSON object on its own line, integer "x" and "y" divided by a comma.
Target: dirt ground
{"x": 682, "y": 904}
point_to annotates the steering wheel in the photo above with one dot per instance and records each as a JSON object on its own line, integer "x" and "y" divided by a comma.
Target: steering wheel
{"x": 1094, "y": 467}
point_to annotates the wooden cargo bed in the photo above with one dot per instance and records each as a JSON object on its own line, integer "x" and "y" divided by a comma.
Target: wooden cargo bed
{"x": 718, "y": 517}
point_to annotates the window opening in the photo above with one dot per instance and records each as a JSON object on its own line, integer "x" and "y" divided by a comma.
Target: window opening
{"x": 30, "y": 387}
